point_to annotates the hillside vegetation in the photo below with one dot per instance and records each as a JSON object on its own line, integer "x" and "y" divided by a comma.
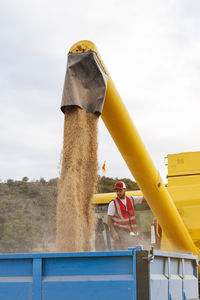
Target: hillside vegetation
{"x": 28, "y": 213}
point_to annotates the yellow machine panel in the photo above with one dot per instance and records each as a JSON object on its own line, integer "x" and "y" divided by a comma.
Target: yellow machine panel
{"x": 184, "y": 188}
{"x": 185, "y": 163}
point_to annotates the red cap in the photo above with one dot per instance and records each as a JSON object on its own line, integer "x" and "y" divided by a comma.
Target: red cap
{"x": 120, "y": 185}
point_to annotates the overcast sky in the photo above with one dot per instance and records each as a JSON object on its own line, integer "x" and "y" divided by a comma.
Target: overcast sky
{"x": 152, "y": 51}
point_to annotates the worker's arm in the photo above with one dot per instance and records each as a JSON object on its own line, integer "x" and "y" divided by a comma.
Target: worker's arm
{"x": 138, "y": 199}
{"x": 114, "y": 233}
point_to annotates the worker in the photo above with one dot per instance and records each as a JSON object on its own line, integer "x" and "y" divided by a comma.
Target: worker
{"x": 121, "y": 218}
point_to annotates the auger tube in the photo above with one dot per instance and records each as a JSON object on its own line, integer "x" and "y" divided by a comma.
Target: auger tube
{"x": 125, "y": 135}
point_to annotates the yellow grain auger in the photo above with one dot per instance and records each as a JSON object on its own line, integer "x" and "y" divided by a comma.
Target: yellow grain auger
{"x": 89, "y": 86}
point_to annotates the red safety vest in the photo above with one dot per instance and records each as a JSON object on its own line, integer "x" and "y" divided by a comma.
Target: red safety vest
{"x": 125, "y": 215}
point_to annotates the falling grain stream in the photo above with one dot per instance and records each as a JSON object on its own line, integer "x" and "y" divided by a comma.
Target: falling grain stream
{"x": 77, "y": 183}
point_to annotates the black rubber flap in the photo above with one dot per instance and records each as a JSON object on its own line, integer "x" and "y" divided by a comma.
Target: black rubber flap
{"x": 142, "y": 275}
{"x": 85, "y": 82}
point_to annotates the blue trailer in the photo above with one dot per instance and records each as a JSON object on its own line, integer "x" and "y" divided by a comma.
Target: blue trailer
{"x": 116, "y": 275}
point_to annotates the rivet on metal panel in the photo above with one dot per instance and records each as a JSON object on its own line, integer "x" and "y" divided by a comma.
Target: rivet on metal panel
{"x": 159, "y": 182}
{"x": 181, "y": 212}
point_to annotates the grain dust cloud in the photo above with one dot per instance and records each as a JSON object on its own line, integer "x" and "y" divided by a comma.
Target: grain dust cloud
{"x": 77, "y": 183}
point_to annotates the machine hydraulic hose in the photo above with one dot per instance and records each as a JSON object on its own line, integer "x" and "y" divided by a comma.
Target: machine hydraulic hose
{"x": 89, "y": 85}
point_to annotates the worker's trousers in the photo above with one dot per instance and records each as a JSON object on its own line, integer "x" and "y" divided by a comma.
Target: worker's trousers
{"x": 125, "y": 240}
